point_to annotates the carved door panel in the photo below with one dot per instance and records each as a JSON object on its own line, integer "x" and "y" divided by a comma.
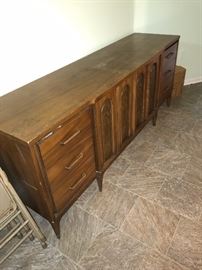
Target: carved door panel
{"x": 140, "y": 98}
{"x": 105, "y": 129}
{"x": 124, "y": 94}
{"x": 152, "y": 87}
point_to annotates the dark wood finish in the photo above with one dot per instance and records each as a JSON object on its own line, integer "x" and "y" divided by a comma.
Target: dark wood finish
{"x": 152, "y": 89}
{"x": 167, "y": 71}
{"x": 140, "y": 98}
{"x": 61, "y": 131}
{"x": 106, "y": 126}
{"x": 124, "y": 102}
{"x": 66, "y": 164}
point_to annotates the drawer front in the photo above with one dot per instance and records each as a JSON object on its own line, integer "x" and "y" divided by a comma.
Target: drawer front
{"x": 66, "y": 135}
{"x": 68, "y": 158}
{"x": 167, "y": 72}
{"x": 71, "y": 185}
{"x": 167, "y": 78}
{"x": 169, "y": 58}
{"x": 69, "y": 162}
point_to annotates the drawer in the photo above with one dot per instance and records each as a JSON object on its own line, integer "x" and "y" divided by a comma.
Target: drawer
{"x": 66, "y": 135}
{"x": 167, "y": 78}
{"x": 166, "y": 91}
{"x": 68, "y": 152}
{"x": 68, "y": 188}
{"x": 68, "y": 158}
{"x": 60, "y": 167}
{"x": 170, "y": 54}
{"x": 169, "y": 58}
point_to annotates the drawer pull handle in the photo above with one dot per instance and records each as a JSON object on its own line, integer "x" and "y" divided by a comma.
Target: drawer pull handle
{"x": 83, "y": 176}
{"x": 169, "y": 55}
{"x": 80, "y": 156}
{"x": 71, "y": 138}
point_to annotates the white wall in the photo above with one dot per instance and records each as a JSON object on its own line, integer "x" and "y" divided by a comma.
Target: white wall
{"x": 182, "y": 17}
{"x": 39, "y": 36}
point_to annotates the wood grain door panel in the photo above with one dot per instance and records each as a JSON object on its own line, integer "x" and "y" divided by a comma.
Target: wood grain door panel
{"x": 140, "y": 97}
{"x": 105, "y": 129}
{"x": 152, "y": 86}
{"x": 124, "y": 101}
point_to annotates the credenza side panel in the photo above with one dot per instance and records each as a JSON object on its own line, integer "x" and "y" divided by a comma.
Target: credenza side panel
{"x": 16, "y": 159}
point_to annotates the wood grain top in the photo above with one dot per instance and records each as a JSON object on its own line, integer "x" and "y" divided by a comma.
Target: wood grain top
{"x": 32, "y": 110}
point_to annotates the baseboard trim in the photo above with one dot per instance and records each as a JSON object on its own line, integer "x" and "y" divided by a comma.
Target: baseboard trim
{"x": 193, "y": 80}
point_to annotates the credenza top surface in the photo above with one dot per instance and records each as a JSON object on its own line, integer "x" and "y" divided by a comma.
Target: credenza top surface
{"x": 30, "y": 111}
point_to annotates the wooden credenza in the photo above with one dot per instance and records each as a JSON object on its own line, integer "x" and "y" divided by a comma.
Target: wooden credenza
{"x": 60, "y": 132}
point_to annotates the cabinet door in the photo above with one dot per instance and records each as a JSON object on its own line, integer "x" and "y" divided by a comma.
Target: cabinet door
{"x": 105, "y": 129}
{"x": 152, "y": 87}
{"x": 140, "y": 98}
{"x": 124, "y": 94}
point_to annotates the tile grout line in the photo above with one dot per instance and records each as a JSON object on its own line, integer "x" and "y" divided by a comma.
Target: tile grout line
{"x": 129, "y": 191}
{"x": 67, "y": 257}
{"x": 134, "y": 205}
{"x": 171, "y": 241}
{"x": 175, "y": 212}
{"x": 172, "y": 260}
{"x": 115, "y": 229}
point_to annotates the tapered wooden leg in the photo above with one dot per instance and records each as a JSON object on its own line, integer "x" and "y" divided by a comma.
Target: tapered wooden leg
{"x": 154, "y": 118}
{"x": 168, "y": 101}
{"x": 56, "y": 227}
{"x": 99, "y": 177}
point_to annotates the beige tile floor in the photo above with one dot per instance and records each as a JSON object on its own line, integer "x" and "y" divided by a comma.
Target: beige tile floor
{"x": 149, "y": 215}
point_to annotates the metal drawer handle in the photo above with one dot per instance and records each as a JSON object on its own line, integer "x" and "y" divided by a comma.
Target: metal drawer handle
{"x": 80, "y": 156}
{"x": 71, "y": 138}
{"x": 83, "y": 176}
{"x": 169, "y": 55}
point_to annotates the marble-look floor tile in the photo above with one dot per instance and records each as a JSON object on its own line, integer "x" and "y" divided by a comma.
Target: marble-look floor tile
{"x": 186, "y": 100}
{"x": 78, "y": 231}
{"x": 197, "y": 110}
{"x": 186, "y": 247}
{"x": 181, "y": 197}
{"x": 117, "y": 169}
{"x": 112, "y": 204}
{"x": 169, "y": 161}
{"x": 193, "y": 89}
{"x": 188, "y": 143}
{"x": 156, "y": 261}
{"x": 176, "y": 119}
{"x": 193, "y": 173}
{"x": 43, "y": 223}
{"x": 158, "y": 134}
{"x": 143, "y": 181}
{"x": 139, "y": 153}
{"x": 197, "y": 129}
{"x": 114, "y": 251}
{"x": 88, "y": 193}
{"x": 30, "y": 255}
{"x": 119, "y": 166}
{"x": 151, "y": 224}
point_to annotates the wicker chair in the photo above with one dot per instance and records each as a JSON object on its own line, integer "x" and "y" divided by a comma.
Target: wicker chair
{"x": 15, "y": 220}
